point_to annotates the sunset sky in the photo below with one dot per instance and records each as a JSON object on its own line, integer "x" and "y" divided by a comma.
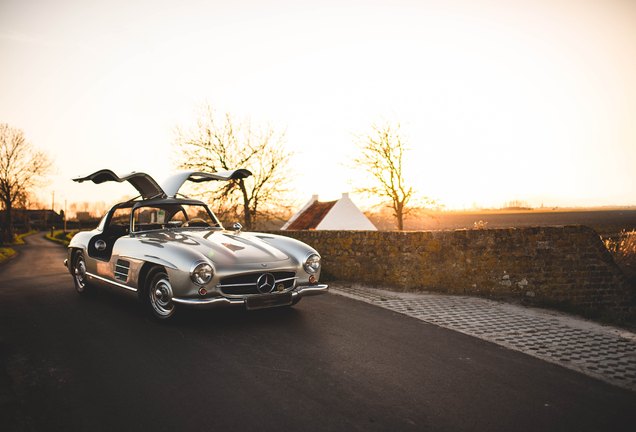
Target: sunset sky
{"x": 501, "y": 99}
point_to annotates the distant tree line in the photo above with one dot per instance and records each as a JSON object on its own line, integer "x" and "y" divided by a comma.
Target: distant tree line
{"x": 516, "y": 204}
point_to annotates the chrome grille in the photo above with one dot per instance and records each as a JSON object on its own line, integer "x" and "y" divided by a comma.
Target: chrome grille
{"x": 121, "y": 270}
{"x": 246, "y": 283}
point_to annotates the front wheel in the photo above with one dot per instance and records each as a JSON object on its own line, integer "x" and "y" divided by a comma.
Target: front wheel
{"x": 79, "y": 273}
{"x": 158, "y": 295}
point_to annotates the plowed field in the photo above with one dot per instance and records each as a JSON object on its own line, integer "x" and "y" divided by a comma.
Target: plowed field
{"x": 605, "y": 222}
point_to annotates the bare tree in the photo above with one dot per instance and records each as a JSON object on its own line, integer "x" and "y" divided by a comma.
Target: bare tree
{"x": 222, "y": 142}
{"x": 381, "y": 157}
{"x": 23, "y": 167}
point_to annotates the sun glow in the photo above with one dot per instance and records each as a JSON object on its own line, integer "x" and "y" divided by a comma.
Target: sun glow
{"x": 501, "y": 100}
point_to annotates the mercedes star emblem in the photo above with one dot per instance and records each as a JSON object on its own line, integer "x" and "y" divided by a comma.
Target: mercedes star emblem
{"x": 265, "y": 283}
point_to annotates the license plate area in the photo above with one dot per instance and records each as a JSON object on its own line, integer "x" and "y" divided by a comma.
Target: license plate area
{"x": 268, "y": 301}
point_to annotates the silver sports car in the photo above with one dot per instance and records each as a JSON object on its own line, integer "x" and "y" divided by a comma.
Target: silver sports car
{"x": 172, "y": 251}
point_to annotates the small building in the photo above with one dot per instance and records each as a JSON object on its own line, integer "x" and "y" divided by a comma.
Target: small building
{"x": 83, "y": 216}
{"x": 45, "y": 217}
{"x": 340, "y": 214}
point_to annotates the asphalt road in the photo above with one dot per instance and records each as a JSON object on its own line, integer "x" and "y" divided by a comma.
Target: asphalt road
{"x": 71, "y": 362}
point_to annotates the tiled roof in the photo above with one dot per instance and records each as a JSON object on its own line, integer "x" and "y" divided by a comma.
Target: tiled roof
{"x": 310, "y": 218}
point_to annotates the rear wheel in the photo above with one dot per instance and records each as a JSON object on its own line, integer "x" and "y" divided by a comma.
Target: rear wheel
{"x": 158, "y": 294}
{"x": 79, "y": 273}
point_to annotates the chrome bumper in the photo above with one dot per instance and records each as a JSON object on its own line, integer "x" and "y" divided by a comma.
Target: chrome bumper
{"x": 297, "y": 294}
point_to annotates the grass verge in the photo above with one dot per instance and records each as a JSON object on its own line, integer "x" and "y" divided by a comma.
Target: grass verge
{"x": 19, "y": 239}
{"x": 61, "y": 237}
{"x": 6, "y": 254}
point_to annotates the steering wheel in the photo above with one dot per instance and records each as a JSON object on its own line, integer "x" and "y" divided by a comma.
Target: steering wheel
{"x": 187, "y": 223}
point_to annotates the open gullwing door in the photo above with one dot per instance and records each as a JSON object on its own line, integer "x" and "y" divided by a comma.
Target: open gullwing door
{"x": 146, "y": 185}
{"x": 172, "y": 184}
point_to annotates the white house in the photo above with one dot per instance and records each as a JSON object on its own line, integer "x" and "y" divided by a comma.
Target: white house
{"x": 341, "y": 214}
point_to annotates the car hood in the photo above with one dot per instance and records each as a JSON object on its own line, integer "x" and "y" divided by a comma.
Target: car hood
{"x": 221, "y": 247}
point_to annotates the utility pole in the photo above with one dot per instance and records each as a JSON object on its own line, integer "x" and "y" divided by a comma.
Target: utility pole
{"x": 52, "y": 213}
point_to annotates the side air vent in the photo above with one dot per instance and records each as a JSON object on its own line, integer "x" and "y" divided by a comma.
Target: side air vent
{"x": 121, "y": 270}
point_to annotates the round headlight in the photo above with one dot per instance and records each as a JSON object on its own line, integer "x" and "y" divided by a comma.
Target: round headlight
{"x": 312, "y": 263}
{"x": 201, "y": 273}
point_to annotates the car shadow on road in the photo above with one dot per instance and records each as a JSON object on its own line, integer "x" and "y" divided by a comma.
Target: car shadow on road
{"x": 127, "y": 304}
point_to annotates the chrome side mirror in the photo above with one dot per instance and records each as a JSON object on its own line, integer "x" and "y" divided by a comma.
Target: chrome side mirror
{"x": 237, "y": 228}
{"x": 100, "y": 245}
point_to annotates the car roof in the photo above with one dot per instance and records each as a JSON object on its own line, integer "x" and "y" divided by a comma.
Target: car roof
{"x": 168, "y": 201}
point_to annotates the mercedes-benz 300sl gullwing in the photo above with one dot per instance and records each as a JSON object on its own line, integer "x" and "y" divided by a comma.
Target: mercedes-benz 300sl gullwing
{"x": 173, "y": 253}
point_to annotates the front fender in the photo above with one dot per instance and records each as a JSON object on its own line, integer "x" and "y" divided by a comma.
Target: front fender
{"x": 81, "y": 240}
{"x": 176, "y": 258}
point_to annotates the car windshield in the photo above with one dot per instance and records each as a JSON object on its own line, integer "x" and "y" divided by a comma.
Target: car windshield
{"x": 172, "y": 215}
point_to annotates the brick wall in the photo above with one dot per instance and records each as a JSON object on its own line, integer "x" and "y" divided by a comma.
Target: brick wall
{"x": 543, "y": 263}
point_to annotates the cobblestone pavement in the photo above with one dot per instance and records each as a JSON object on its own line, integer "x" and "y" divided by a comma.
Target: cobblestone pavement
{"x": 603, "y": 352}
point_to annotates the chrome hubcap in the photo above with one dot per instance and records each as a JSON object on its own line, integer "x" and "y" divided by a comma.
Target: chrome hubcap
{"x": 80, "y": 275}
{"x": 161, "y": 298}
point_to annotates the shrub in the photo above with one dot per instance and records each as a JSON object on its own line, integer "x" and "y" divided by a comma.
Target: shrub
{"x": 623, "y": 249}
